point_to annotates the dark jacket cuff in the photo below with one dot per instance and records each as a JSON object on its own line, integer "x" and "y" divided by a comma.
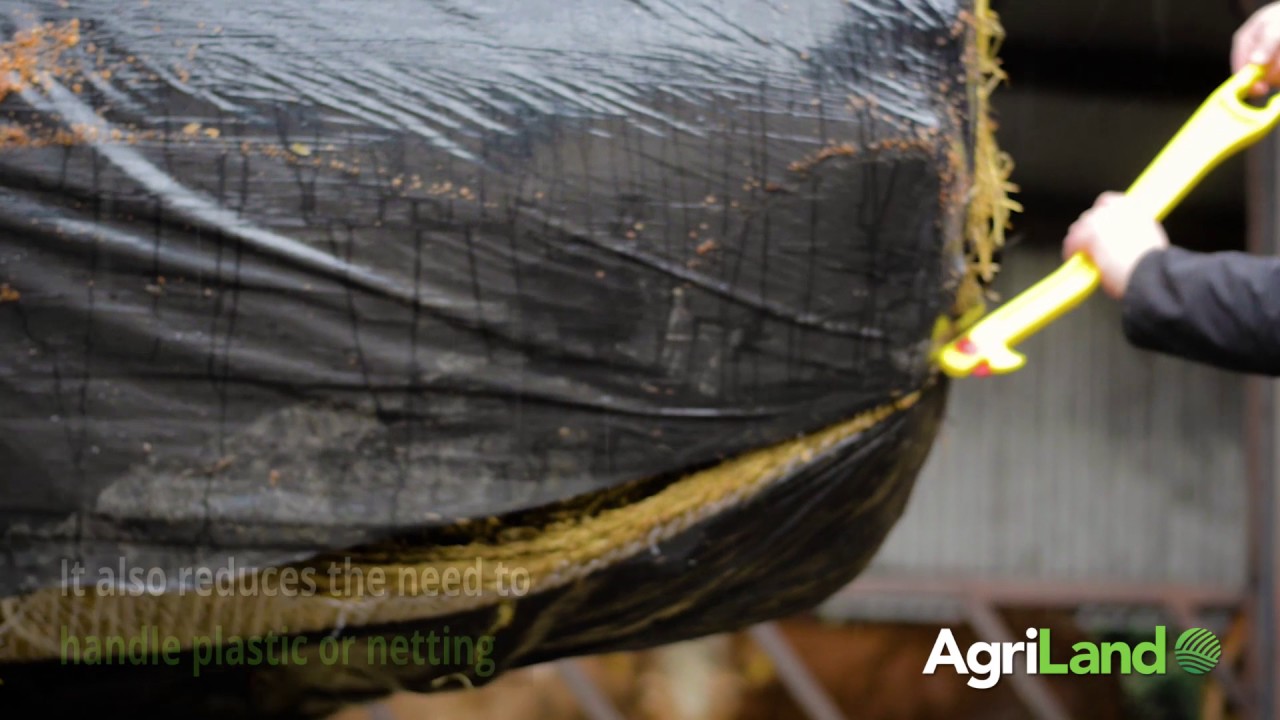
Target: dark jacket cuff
{"x": 1144, "y": 296}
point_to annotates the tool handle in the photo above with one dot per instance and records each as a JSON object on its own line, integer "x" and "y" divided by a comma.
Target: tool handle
{"x": 1222, "y": 126}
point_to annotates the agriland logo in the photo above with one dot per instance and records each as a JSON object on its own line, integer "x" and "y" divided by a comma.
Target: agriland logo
{"x": 985, "y": 663}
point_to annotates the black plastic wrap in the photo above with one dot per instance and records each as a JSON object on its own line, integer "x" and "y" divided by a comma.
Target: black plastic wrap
{"x": 778, "y": 554}
{"x": 288, "y": 278}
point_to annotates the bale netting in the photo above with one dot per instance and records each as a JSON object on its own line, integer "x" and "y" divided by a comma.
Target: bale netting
{"x": 353, "y": 347}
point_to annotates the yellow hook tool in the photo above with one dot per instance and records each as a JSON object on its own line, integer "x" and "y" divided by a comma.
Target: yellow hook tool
{"x": 1222, "y": 126}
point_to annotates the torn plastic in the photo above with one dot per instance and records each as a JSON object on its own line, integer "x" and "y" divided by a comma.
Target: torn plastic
{"x": 319, "y": 279}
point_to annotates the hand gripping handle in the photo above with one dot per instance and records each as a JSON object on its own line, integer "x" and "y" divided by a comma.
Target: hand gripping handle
{"x": 1222, "y": 126}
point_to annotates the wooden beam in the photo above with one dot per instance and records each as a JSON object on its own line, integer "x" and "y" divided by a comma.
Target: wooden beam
{"x": 591, "y": 699}
{"x": 794, "y": 674}
{"x": 1033, "y": 690}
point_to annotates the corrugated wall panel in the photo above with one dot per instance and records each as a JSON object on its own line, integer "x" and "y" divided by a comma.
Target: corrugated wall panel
{"x": 1097, "y": 461}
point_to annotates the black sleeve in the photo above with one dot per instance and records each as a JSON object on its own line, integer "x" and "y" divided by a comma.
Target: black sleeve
{"x": 1220, "y": 308}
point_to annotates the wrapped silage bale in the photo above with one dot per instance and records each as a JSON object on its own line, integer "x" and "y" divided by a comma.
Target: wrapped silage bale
{"x": 539, "y": 328}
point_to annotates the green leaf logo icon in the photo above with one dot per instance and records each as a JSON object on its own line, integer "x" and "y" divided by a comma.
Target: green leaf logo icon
{"x": 1197, "y": 651}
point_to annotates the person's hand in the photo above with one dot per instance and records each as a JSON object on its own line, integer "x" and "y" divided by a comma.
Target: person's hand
{"x": 1115, "y": 235}
{"x": 1257, "y": 42}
